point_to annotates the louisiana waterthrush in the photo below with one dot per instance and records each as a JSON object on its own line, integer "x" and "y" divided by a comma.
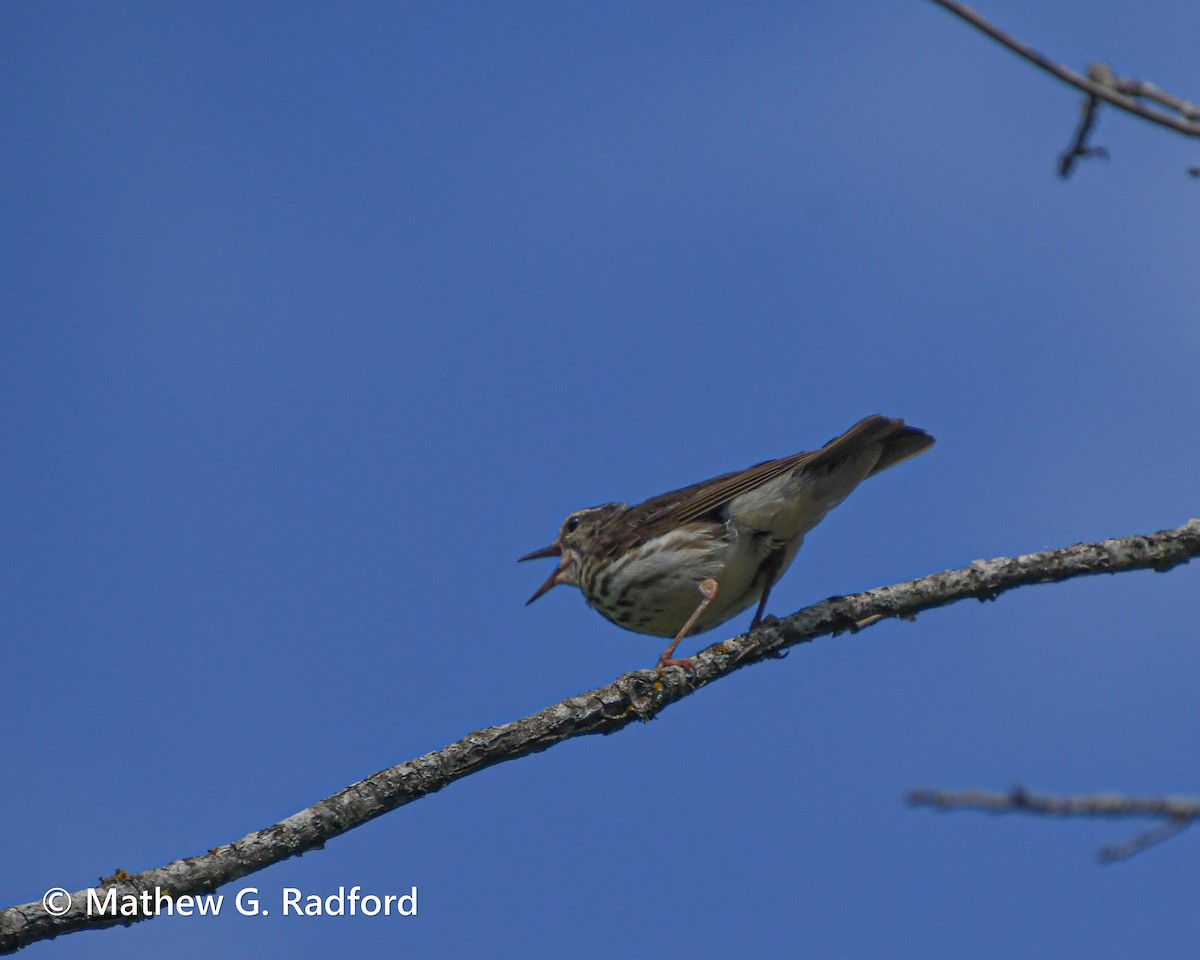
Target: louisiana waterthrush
{"x": 728, "y": 539}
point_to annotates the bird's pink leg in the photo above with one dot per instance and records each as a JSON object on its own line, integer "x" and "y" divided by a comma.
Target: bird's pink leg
{"x": 709, "y": 590}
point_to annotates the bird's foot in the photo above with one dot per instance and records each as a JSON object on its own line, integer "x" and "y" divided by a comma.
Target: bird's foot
{"x": 769, "y": 621}
{"x": 708, "y": 591}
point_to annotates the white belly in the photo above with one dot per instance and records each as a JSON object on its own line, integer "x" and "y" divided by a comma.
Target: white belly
{"x": 671, "y": 568}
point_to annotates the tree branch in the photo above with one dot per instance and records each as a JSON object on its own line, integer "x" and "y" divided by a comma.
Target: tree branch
{"x": 1100, "y": 84}
{"x": 637, "y": 696}
{"x": 1020, "y": 800}
{"x": 1179, "y": 812}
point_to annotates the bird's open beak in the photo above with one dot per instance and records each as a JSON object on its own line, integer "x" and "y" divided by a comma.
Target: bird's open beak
{"x": 551, "y": 581}
{"x": 554, "y": 550}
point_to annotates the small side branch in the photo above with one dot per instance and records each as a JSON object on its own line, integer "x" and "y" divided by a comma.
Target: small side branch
{"x": 632, "y": 698}
{"x": 1079, "y": 148}
{"x": 1177, "y": 812}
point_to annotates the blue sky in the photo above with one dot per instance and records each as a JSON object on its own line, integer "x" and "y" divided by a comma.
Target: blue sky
{"x": 317, "y": 316}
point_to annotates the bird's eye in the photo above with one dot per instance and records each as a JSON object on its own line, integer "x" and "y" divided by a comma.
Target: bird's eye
{"x": 572, "y": 524}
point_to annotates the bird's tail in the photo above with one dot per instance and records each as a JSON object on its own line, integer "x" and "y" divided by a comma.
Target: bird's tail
{"x": 900, "y": 443}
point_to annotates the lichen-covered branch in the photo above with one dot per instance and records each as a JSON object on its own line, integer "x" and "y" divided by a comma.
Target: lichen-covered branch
{"x": 1178, "y": 812}
{"x": 634, "y": 697}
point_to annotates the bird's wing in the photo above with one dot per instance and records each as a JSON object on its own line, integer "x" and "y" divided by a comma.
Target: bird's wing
{"x": 690, "y": 503}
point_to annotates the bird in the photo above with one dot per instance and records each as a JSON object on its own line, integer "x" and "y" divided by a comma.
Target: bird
{"x": 688, "y": 560}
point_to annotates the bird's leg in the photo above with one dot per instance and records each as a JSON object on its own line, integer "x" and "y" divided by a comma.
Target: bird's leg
{"x": 769, "y": 571}
{"x": 759, "y": 619}
{"x": 709, "y": 590}
{"x": 770, "y": 567}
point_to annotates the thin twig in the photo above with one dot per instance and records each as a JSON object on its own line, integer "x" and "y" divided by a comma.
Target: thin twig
{"x": 1120, "y": 92}
{"x": 637, "y": 696}
{"x": 1079, "y": 149}
{"x": 1178, "y": 812}
{"x": 1101, "y": 72}
{"x": 1020, "y": 800}
{"x": 1132, "y": 847}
